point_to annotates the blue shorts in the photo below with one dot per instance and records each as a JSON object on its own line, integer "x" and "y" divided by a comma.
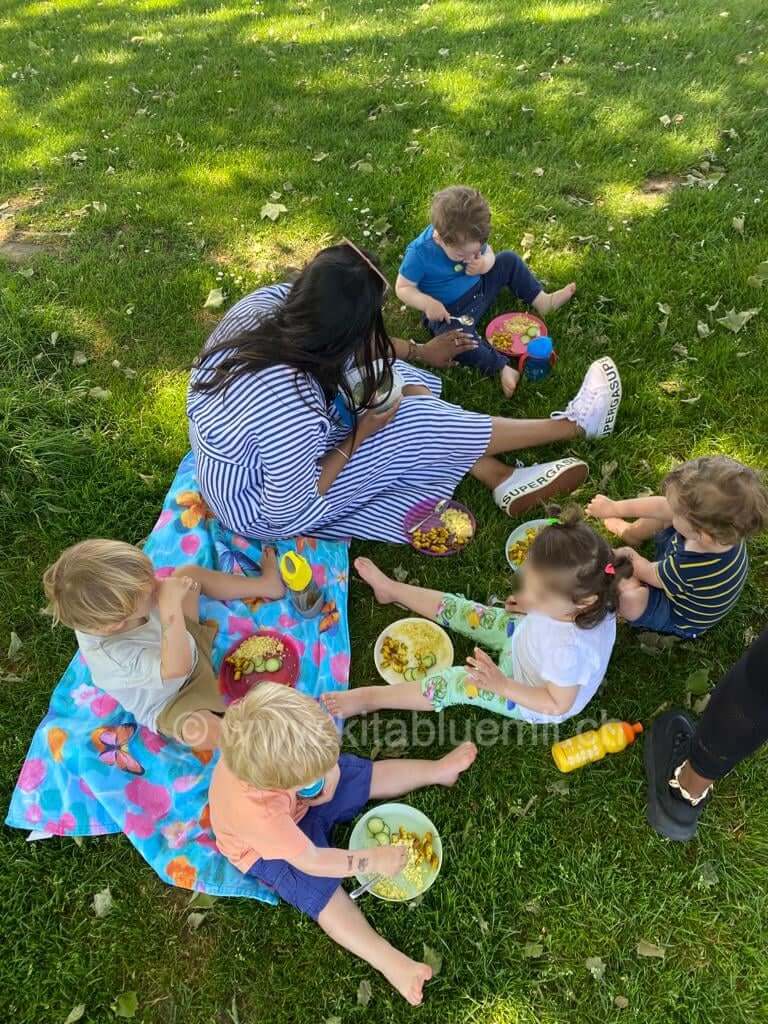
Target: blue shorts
{"x": 658, "y": 615}
{"x": 310, "y": 893}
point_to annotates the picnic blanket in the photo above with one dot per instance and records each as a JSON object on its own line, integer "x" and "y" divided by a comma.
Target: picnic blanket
{"x": 91, "y": 770}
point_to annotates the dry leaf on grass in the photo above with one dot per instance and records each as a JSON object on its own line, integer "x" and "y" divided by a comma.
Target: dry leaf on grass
{"x": 433, "y": 959}
{"x": 735, "y": 321}
{"x": 125, "y": 1005}
{"x": 215, "y": 299}
{"x": 102, "y": 902}
{"x": 649, "y": 949}
{"x": 272, "y": 210}
{"x": 14, "y": 647}
{"x": 596, "y": 967}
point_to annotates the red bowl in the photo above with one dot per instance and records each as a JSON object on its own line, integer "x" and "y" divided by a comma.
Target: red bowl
{"x": 234, "y": 689}
{"x": 519, "y": 344}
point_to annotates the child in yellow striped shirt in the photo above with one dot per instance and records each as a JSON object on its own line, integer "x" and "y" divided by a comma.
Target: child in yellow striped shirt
{"x": 708, "y": 508}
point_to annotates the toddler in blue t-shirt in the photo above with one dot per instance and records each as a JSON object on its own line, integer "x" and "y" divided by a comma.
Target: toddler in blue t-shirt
{"x": 450, "y": 271}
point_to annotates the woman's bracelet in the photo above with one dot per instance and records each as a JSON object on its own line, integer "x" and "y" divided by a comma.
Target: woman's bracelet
{"x": 412, "y": 350}
{"x": 341, "y": 452}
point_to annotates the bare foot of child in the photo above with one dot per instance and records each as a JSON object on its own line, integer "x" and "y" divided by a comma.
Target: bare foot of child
{"x": 346, "y": 703}
{"x": 619, "y": 527}
{"x": 449, "y": 768}
{"x": 408, "y": 977}
{"x": 548, "y": 302}
{"x": 509, "y": 380}
{"x": 271, "y": 584}
{"x": 375, "y": 578}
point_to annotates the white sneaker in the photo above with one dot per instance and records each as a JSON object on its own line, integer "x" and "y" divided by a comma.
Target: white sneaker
{"x": 530, "y": 485}
{"x": 595, "y": 406}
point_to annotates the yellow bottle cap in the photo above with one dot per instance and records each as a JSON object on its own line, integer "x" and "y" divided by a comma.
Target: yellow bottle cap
{"x": 295, "y": 570}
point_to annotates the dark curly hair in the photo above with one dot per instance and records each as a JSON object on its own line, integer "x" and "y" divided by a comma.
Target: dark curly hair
{"x": 575, "y": 558}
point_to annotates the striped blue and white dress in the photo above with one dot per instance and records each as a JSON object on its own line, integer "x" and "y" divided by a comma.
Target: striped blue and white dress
{"x": 259, "y": 444}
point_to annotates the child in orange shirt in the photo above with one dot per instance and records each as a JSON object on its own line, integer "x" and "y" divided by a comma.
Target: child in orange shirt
{"x": 275, "y": 742}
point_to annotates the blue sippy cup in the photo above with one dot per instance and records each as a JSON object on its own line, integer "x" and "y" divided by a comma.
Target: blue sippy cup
{"x": 539, "y": 358}
{"x": 312, "y": 790}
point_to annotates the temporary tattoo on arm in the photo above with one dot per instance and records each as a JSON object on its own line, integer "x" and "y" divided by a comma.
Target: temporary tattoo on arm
{"x": 362, "y": 863}
{"x": 349, "y": 862}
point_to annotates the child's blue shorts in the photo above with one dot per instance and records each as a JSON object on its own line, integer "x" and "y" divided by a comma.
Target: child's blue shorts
{"x": 657, "y": 617}
{"x": 309, "y": 893}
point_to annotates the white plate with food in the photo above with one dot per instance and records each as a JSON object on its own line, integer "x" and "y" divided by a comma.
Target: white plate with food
{"x": 407, "y": 650}
{"x": 400, "y": 825}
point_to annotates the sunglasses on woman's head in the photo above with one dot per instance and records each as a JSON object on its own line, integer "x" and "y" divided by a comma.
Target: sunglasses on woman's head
{"x": 373, "y": 267}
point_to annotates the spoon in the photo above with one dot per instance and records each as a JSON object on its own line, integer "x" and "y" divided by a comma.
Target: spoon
{"x": 465, "y": 321}
{"x": 358, "y": 892}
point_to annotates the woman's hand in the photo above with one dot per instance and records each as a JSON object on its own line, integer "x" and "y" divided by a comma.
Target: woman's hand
{"x": 485, "y": 673}
{"x": 442, "y": 350}
{"x": 372, "y": 422}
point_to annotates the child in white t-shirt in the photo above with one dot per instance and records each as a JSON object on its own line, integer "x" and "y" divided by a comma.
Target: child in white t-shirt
{"x": 554, "y": 639}
{"x": 142, "y": 638}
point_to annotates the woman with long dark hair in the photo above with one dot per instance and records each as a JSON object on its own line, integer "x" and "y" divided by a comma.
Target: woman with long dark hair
{"x": 276, "y": 455}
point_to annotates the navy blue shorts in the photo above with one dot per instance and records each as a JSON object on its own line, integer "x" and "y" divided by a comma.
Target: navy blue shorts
{"x": 658, "y": 617}
{"x": 310, "y": 893}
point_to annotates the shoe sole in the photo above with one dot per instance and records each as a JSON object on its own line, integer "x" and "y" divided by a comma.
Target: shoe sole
{"x": 655, "y": 816}
{"x": 611, "y": 371}
{"x": 569, "y": 475}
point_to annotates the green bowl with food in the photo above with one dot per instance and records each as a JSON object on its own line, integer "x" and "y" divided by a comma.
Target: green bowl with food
{"x": 400, "y": 825}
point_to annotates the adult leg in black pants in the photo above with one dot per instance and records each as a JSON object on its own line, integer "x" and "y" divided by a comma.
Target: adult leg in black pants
{"x": 684, "y": 758}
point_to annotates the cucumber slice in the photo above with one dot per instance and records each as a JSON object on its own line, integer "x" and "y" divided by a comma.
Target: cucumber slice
{"x": 428, "y": 660}
{"x": 382, "y": 839}
{"x": 409, "y": 675}
{"x": 273, "y": 664}
{"x": 258, "y": 665}
{"x": 375, "y": 825}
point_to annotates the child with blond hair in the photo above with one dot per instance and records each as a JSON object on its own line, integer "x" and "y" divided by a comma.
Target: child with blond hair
{"x": 275, "y": 742}
{"x": 707, "y": 509}
{"x": 142, "y": 638}
{"x": 451, "y": 271}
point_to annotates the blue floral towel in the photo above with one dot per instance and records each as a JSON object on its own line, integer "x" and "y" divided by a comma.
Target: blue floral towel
{"x": 91, "y": 770}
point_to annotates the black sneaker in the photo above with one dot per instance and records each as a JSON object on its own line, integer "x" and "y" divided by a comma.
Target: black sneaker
{"x": 666, "y": 746}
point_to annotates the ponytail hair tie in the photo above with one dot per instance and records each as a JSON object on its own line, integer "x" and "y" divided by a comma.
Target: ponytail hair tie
{"x": 610, "y": 569}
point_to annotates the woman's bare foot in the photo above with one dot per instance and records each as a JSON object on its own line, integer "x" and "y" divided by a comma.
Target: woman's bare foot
{"x": 379, "y": 582}
{"x": 409, "y": 978}
{"x": 620, "y": 528}
{"x": 548, "y": 302}
{"x": 449, "y": 768}
{"x": 271, "y": 584}
{"x": 510, "y": 378}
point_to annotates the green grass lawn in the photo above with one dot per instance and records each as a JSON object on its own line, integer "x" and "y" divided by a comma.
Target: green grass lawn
{"x": 139, "y": 143}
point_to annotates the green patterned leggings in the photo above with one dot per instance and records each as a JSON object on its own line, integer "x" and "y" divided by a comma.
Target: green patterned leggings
{"x": 488, "y": 627}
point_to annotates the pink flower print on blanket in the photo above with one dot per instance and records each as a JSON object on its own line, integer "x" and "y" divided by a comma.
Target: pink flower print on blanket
{"x": 32, "y": 774}
{"x": 154, "y": 803}
{"x": 100, "y": 703}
